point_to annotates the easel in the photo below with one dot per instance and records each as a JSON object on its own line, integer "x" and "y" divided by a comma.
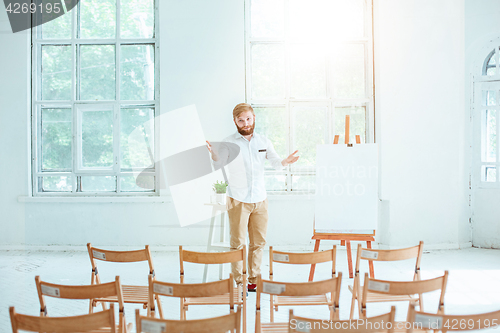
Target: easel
{"x": 345, "y": 239}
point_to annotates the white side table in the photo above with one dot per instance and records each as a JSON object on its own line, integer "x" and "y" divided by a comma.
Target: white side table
{"x": 222, "y": 244}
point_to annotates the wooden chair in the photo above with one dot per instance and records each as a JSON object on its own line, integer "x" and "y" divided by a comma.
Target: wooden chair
{"x": 230, "y": 322}
{"x": 95, "y": 322}
{"x": 444, "y": 323}
{"x": 356, "y": 289}
{"x": 291, "y": 258}
{"x": 221, "y": 288}
{"x": 403, "y": 288}
{"x": 217, "y": 258}
{"x": 331, "y": 286}
{"x": 131, "y": 294}
{"x": 382, "y": 323}
{"x": 90, "y": 292}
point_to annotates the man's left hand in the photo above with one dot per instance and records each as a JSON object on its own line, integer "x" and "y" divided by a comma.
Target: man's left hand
{"x": 290, "y": 159}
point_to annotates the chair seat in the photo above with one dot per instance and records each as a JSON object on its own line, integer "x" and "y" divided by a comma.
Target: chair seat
{"x": 274, "y": 327}
{"x": 378, "y": 297}
{"x": 301, "y": 300}
{"x": 131, "y": 294}
{"x": 220, "y": 299}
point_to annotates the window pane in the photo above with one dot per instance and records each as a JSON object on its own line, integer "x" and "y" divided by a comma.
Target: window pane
{"x": 56, "y": 139}
{"x": 137, "y": 79}
{"x": 267, "y": 18}
{"x": 137, "y": 138}
{"x": 326, "y": 20}
{"x": 303, "y": 183}
{"x": 59, "y": 28}
{"x": 309, "y": 19}
{"x": 97, "y": 139}
{"x": 488, "y": 98}
{"x": 347, "y": 19}
{"x": 137, "y": 18}
{"x": 491, "y": 71}
{"x": 275, "y": 182}
{"x": 309, "y": 127}
{"x": 490, "y": 136}
{"x": 493, "y": 58}
{"x": 271, "y": 122}
{"x": 268, "y": 71}
{"x": 489, "y": 173}
{"x": 97, "y": 72}
{"x": 357, "y": 122}
{"x": 308, "y": 72}
{"x": 98, "y": 19}
{"x": 56, "y": 184}
{"x": 348, "y": 64}
{"x": 56, "y": 72}
{"x": 141, "y": 184}
{"x": 98, "y": 183}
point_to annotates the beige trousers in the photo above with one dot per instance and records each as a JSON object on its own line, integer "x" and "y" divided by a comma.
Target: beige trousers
{"x": 252, "y": 217}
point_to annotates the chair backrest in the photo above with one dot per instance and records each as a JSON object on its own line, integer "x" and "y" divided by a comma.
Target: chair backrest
{"x": 230, "y": 322}
{"x": 212, "y": 258}
{"x": 119, "y": 257}
{"x": 324, "y": 287}
{"x": 78, "y": 292}
{"x": 85, "y": 323}
{"x": 404, "y": 288}
{"x": 382, "y": 323}
{"x": 422, "y": 320}
{"x": 306, "y": 258}
{"x": 209, "y": 289}
{"x": 414, "y": 252}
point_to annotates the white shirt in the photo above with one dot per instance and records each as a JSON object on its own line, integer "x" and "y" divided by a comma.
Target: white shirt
{"x": 245, "y": 174}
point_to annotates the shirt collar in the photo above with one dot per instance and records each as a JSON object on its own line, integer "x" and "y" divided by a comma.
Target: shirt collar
{"x": 237, "y": 135}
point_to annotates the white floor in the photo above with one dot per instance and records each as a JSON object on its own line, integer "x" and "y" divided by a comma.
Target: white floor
{"x": 473, "y": 284}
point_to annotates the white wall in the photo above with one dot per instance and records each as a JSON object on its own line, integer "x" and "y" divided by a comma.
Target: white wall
{"x": 482, "y": 34}
{"x": 14, "y": 137}
{"x": 420, "y": 112}
{"x": 419, "y": 84}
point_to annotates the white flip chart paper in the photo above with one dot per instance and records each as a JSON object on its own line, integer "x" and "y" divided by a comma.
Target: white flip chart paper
{"x": 346, "y": 188}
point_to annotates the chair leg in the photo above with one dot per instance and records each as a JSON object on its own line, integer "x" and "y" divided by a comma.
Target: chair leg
{"x": 183, "y": 310}
{"x": 271, "y": 308}
{"x": 420, "y": 303}
{"x": 353, "y": 304}
{"x": 244, "y": 308}
{"x": 160, "y": 309}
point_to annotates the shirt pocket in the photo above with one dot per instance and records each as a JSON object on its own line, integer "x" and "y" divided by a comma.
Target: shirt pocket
{"x": 261, "y": 154}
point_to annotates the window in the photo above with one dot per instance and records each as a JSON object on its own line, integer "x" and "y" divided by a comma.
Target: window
{"x": 95, "y": 97}
{"x": 487, "y": 102}
{"x": 308, "y": 65}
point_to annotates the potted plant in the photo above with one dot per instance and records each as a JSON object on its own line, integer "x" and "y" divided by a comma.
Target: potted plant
{"x": 220, "y": 192}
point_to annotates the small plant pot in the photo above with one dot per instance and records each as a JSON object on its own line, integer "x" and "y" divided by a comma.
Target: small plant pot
{"x": 220, "y": 198}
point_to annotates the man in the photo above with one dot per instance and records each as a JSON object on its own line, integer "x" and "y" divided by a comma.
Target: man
{"x": 247, "y": 202}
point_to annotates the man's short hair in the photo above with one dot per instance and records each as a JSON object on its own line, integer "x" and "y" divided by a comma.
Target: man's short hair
{"x": 240, "y": 108}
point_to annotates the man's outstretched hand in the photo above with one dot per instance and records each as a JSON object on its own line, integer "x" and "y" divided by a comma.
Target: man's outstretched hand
{"x": 290, "y": 159}
{"x": 212, "y": 151}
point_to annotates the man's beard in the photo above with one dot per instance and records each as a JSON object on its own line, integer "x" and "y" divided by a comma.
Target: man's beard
{"x": 246, "y": 131}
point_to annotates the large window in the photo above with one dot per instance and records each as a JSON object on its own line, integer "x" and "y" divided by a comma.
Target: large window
{"x": 95, "y": 97}
{"x": 487, "y": 108}
{"x": 309, "y": 64}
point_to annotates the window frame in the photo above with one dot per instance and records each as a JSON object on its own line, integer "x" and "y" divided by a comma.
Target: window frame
{"x": 76, "y": 104}
{"x": 368, "y": 102}
{"x": 481, "y": 81}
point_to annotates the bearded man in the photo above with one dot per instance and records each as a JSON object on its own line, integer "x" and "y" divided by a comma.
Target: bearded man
{"x": 247, "y": 204}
